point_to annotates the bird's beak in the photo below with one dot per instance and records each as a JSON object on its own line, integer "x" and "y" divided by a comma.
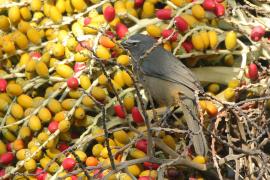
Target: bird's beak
{"x": 124, "y": 44}
{"x": 129, "y": 43}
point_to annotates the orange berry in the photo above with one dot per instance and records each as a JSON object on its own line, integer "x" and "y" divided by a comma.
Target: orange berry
{"x": 106, "y": 42}
{"x": 91, "y": 161}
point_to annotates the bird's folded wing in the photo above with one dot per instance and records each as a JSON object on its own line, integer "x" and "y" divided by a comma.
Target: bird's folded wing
{"x": 162, "y": 64}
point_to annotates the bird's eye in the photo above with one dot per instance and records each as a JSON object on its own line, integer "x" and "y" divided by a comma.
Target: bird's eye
{"x": 132, "y": 42}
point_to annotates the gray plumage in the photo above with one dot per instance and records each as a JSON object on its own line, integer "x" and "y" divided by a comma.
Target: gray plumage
{"x": 165, "y": 77}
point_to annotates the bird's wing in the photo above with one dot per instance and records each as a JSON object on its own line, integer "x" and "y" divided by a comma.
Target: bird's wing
{"x": 162, "y": 64}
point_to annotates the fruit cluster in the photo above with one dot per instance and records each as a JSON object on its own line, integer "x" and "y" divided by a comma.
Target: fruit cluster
{"x": 61, "y": 63}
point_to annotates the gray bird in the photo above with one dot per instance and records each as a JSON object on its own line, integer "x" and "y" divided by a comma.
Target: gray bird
{"x": 165, "y": 77}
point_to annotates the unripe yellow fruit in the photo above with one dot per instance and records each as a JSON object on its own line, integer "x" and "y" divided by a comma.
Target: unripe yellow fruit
{"x": 26, "y": 13}
{"x": 205, "y": 38}
{"x": 42, "y": 137}
{"x": 213, "y": 39}
{"x": 129, "y": 101}
{"x": 199, "y": 160}
{"x": 79, "y": 113}
{"x": 67, "y": 104}
{"x": 11, "y": 120}
{"x": 197, "y": 42}
{"x": 24, "y": 26}
{"x": 4, "y": 23}
{"x": 229, "y": 94}
{"x": 85, "y": 81}
{"x": 64, "y": 126}
{"x": 3, "y": 148}
{"x": 5, "y": 97}
{"x": 71, "y": 43}
{"x": 20, "y": 40}
{"x": 22, "y": 154}
{"x": 36, "y": 5}
{"x": 151, "y": 173}
{"x": 198, "y": 11}
{"x": 98, "y": 131}
{"x": 69, "y": 7}
{"x": 102, "y": 80}
{"x": 153, "y": 30}
{"x": 123, "y": 60}
{"x": 55, "y": 15}
{"x": 3, "y": 105}
{"x": 54, "y": 106}
{"x": 34, "y": 36}
{"x": 96, "y": 150}
{"x": 9, "y": 47}
{"x": 136, "y": 153}
{"x": 60, "y": 4}
{"x": 30, "y": 165}
{"x": 79, "y": 5}
{"x": 25, "y": 101}
{"x": 148, "y": 10}
{"x": 169, "y": 140}
{"x": 25, "y": 132}
{"x": 16, "y": 111}
{"x": 98, "y": 93}
{"x": 8, "y": 135}
{"x": 121, "y": 136}
{"x": 47, "y": 8}
{"x": 82, "y": 156}
{"x": 230, "y": 40}
{"x": 38, "y": 155}
{"x": 127, "y": 79}
{"x": 14, "y": 14}
{"x": 213, "y": 88}
{"x": 42, "y": 69}
{"x": 75, "y": 94}
{"x": 30, "y": 66}
{"x": 103, "y": 52}
{"x": 64, "y": 70}
{"x": 34, "y": 123}
{"x": 118, "y": 78}
{"x": 191, "y": 20}
{"x": 58, "y": 50}
{"x": 134, "y": 170}
{"x": 88, "y": 102}
{"x": 179, "y": 3}
{"x": 45, "y": 115}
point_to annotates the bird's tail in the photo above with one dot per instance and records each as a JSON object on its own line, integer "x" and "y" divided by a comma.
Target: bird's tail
{"x": 191, "y": 116}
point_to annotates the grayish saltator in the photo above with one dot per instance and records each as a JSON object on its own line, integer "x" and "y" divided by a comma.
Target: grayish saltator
{"x": 166, "y": 77}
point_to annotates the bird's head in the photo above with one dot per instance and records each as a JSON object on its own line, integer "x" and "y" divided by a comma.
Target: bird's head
{"x": 138, "y": 44}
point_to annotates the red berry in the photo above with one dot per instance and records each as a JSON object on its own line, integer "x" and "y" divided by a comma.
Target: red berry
{"x": 181, "y": 24}
{"x": 119, "y": 111}
{"x": 149, "y": 165}
{"x": 68, "y": 164}
{"x": 167, "y": 33}
{"x": 110, "y": 34}
{"x": 40, "y": 174}
{"x": 6, "y": 158}
{"x": 219, "y": 10}
{"x": 63, "y": 146}
{"x": 142, "y": 145}
{"x": 253, "y": 71}
{"x": 35, "y": 55}
{"x": 121, "y": 30}
{"x": 53, "y": 126}
{"x": 188, "y": 46}
{"x": 136, "y": 115}
{"x": 86, "y": 21}
{"x": 9, "y": 147}
{"x": 3, "y": 85}
{"x": 2, "y": 172}
{"x": 138, "y": 3}
{"x": 146, "y": 178}
{"x": 73, "y": 83}
{"x": 73, "y": 177}
{"x": 256, "y": 34}
{"x": 164, "y": 14}
{"x": 209, "y": 5}
{"x": 79, "y": 66}
{"x": 109, "y": 13}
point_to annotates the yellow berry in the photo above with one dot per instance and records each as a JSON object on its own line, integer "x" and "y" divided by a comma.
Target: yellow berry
{"x": 79, "y": 113}
{"x": 85, "y": 81}
{"x": 214, "y": 88}
{"x": 16, "y": 111}
{"x": 148, "y": 10}
{"x": 30, "y": 165}
{"x": 36, "y": 5}
{"x": 135, "y": 170}
{"x": 10, "y": 120}
{"x": 55, "y": 15}
{"x": 127, "y": 79}
{"x": 34, "y": 36}
{"x": 198, "y": 11}
{"x": 67, "y": 104}
{"x": 102, "y": 80}
{"x": 151, "y": 173}
{"x": 96, "y": 150}
{"x": 153, "y": 30}
{"x": 4, "y": 23}
{"x": 34, "y": 123}
{"x": 3, "y": 105}
{"x": 121, "y": 136}
{"x": 25, "y": 101}
{"x": 205, "y": 38}
{"x": 42, "y": 69}
{"x": 169, "y": 140}
{"x": 79, "y": 5}
{"x": 25, "y": 132}
{"x": 197, "y": 42}
{"x": 58, "y": 50}
{"x": 23, "y": 26}
{"x": 103, "y": 52}
{"x": 98, "y": 93}
{"x": 129, "y": 101}
{"x": 14, "y": 14}
{"x": 9, "y": 47}
{"x": 54, "y": 106}
{"x": 64, "y": 126}
{"x": 136, "y": 153}
{"x": 213, "y": 39}
{"x": 118, "y": 78}
{"x": 123, "y": 60}
{"x": 229, "y": 94}
{"x": 199, "y": 159}
{"x": 60, "y": 4}
{"x": 26, "y": 13}
{"x": 191, "y": 20}
{"x": 88, "y": 102}
{"x": 14, "y": 89}
{"x": 45, "y": 115}
{"x": 98, "y": 131}
{"x": 64, "y": 70}
{"x": 20, "y": 40}
{"x": 3, "y": 148}
{"x": 230, "y": 40}
{"x": 8, "y": 135}
{"x": 234, "y": 83}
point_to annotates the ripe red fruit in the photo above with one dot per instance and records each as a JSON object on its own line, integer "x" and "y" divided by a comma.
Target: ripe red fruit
{"x": 253, "y": 71}
{"x": 109, "y": 13}
{"x": 188, "y": 46}
{"x": 142, "y": 145}
{"x": 164, "y": 14}
{"x": 138, "y": 3}
{"x": 136, "y": 115}
{"x": 63, "y": 146}
{"x": 78, "y": 66}
{"x": 146, "y": 178}
{"x": 53, "y": 126}
{"x": 73, "y": 83}
{"x": 2, "y": 172}
{"x": 110, "y": 34}
{"x": 209, "y": 5}
{"x": 256, "y": 34}
{"x": 40, "y": 174}
{"x": 167, "y": 33}
{"x": 149, "y": 165}
{"x": 180, "y": 24}
{"x": 68, "y": 164}
{"x": 9, "y": 147}
{"x": 86, "y": 21}
{"x": 35, "y": 55}
{"x": 6, "y": 158}
{"x": 3, "y": 85}
{"x": 121, "y": 30}
{"x": 219, "y": 10}
{"x": 73, "y": 177}
{"x": 119, "y": 111}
